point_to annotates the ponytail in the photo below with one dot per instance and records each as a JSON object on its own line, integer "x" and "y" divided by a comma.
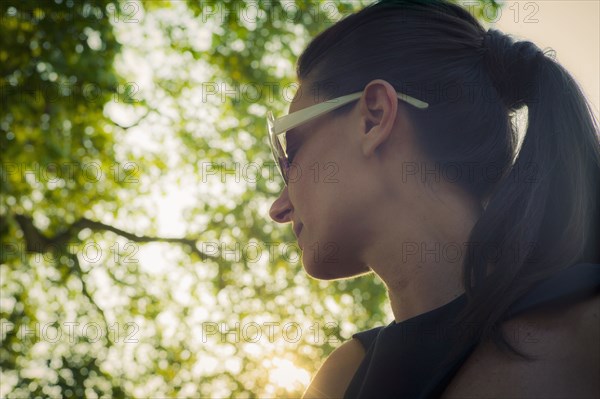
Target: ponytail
{"x": 543, "y": 214}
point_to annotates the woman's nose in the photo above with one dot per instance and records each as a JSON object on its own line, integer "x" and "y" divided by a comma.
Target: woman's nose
{"x": 282, "y": 208}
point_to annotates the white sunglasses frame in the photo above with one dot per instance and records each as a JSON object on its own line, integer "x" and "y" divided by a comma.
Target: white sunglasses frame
{"x": 279, "y": 126}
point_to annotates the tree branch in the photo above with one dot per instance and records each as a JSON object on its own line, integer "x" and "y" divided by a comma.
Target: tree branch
{"x": 136, "y": 123}
{"x": 81, "y": 274}
{"x": 37, "y": 242}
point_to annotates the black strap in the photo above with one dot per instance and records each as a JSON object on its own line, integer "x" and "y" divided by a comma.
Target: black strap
{"x": 575, "y": 282}
{"x": 367, "y": 337}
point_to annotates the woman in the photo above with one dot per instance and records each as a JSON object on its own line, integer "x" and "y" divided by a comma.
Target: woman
{"x": 400, "y": 158}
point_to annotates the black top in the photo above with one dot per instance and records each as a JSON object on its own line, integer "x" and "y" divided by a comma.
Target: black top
{"x": 401, "y": 358}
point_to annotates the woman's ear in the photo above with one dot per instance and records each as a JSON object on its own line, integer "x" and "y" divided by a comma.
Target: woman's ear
{"x": 378, "y": 108}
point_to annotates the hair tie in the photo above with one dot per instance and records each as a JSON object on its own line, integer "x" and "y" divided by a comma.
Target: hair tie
{"x": 513, "y": 67}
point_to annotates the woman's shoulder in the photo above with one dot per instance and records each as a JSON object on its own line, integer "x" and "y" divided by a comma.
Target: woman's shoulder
{"x": 564, "y": 344}
{"x": 337, "y": 371}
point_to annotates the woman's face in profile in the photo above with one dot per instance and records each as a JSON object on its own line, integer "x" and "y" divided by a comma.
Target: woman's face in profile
{"x": 327, "y": 197}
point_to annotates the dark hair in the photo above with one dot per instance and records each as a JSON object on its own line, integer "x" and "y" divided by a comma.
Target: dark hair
{"x": 540, "y": 215}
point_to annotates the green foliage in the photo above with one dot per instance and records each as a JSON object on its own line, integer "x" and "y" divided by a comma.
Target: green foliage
{"x": 110, "y": 110}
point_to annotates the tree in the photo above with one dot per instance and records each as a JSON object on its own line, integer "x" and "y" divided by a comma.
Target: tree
{"x": 93, "y": 133}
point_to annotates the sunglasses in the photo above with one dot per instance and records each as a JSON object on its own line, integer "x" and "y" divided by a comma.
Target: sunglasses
{"x": 278, "y": 128}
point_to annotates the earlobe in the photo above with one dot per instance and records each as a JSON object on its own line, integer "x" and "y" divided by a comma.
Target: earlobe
{"x": 378, "y": 107}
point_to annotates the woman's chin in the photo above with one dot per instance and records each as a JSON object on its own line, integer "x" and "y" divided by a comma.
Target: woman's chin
{"x": 322, "y": 274}
{"x": 333, "y": 271}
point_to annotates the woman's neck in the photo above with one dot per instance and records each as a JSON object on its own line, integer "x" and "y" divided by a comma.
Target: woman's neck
{"x": 421, "y": 260}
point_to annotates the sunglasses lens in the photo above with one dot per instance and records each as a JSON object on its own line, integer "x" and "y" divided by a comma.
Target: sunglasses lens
{"x": 277, "y": 151}
{"x": 283, "y": 168}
